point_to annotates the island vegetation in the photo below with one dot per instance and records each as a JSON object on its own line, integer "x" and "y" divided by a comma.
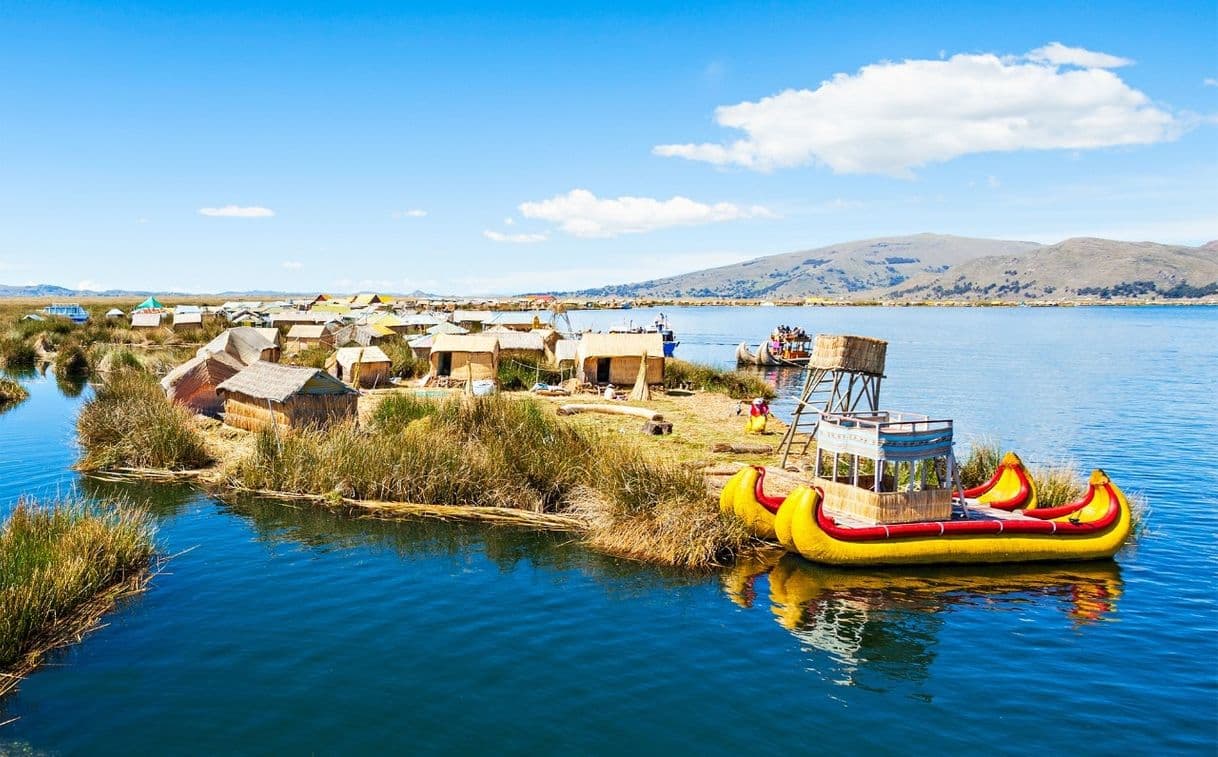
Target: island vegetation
{"x": 62, "y": 566}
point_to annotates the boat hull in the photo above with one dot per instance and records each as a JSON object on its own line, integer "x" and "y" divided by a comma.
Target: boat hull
{"x": 1094, "y": 528}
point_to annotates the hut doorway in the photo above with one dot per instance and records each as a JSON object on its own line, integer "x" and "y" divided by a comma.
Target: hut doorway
{"x": 602, "y": 370}
{"x": 445, "y": 368}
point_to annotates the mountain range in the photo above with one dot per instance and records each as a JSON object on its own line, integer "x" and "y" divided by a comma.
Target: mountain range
{"x": 950, "y": 268}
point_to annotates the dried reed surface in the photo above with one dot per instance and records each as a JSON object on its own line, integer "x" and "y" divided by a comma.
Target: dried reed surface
{"x": 501, "y": 454}
{"x": 11, "y": 393}
{"x": 130, "y": 424}
{"x": 739, "y": 385}
{"x": 62, "y": 566}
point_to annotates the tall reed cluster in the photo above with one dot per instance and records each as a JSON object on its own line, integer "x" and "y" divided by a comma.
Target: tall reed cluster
{"x": 11, "y": 393}
{"x": 130, "y": 424}
{"x": 60, "y": 568}
{"x": 502, "y": 452}
{"x": 740, "y": 385}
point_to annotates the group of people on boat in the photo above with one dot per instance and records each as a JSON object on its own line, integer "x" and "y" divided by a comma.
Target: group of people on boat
{"x": 785, "y": 334}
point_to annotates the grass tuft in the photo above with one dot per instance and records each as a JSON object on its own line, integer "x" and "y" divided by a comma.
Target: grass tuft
{"x": 982, "y": 461}
{"x": 56, "y": 562}
{"x": 11, "y": 393}
{"x": 130, "y": 424}
{"x": 739, "y": 385}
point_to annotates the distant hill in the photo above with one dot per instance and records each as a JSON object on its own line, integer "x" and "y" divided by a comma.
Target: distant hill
{"x": 1081, "y": 268}
{"x": 837, "y": 270}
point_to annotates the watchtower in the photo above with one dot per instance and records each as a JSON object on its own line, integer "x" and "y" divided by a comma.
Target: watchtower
{"x": 843, "y": 375}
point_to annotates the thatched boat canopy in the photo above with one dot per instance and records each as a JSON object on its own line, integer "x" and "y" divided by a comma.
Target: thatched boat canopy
{"x": 245, "y": 343}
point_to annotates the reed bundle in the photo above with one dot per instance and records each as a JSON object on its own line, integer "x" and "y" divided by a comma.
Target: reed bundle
{"x": 859, "y": 354}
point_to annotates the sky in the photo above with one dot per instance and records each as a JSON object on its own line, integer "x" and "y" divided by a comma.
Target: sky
{"x": 471, "y": 148}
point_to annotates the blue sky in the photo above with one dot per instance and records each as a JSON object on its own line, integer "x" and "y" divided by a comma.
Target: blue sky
{"x": 472, "y": 148}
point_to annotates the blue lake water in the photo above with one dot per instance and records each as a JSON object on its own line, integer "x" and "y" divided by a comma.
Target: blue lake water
{"x": 290, "y": 629}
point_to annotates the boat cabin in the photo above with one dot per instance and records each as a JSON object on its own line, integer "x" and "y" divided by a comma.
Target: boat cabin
{"x": 886, "y": 467}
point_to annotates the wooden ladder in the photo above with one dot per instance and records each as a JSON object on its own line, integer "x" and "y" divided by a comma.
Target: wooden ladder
{"x": 827, "y": 390}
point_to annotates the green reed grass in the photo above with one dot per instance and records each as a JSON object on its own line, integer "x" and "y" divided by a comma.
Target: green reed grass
{"x": 501, "y": 451}
{"x": 56, "y": 562}
{"x": 130, "y": 424}
{"x": 982, "y": 461}
{"x": 740, "y": 385}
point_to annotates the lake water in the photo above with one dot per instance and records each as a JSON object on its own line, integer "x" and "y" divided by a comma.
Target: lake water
{"x": 292, "y": 630}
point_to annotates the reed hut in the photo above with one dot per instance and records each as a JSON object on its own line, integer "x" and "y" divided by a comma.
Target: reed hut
{"x": 303, "y": 336}
{"x": 193, "y": 383}
{"x": 420, "y": 346}
{"x": 270, "y": 395}
{"x": 464, "y": 356}
{"x": 519, "y": 345}
{"x": 187, "y": 320}
{"x": 360, "y": 366}
{"x": 245, "y": 344}
{"x": 114, "y": 313}
{"x": 615, "y": 358}
{"x": 564, "y": 353}
{"x": 146, "y": 319}
{"x": 273, "y": 335}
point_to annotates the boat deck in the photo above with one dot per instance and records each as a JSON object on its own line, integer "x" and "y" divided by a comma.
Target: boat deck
{"x": 975, "y": 510}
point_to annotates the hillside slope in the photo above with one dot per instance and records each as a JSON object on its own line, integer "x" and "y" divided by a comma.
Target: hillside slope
{"x": 1081, "y": 268}
{"x": 836, "y": 270}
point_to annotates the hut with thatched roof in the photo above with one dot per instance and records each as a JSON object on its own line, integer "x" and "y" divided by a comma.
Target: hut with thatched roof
{"x": 360, "y": 366}
{"x": 187, "y": 318}
{"x": 244, "y": 343}
{"x": 193, "y": 383}
{"x": 564, "y": 353}
{"x": 270, "y": 395}
{"x": 464, "y": 356}
{"x": 529, "y": 346}
{"x": 302, "y": 336}
{"x": 615, "y": 358}
{"x": 146, "y": 319}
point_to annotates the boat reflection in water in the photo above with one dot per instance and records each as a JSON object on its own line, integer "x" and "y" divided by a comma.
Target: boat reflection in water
{"x": 889, "y": 623}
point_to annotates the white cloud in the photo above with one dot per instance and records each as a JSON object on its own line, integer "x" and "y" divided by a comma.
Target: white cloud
{"x": 582, "y": 214}
{"x": 141, "y": 220}
{"x": 1059, "y": 55}
{"x": 237, "y": 211}
{"x": 889, "y": 118}
{"x": 292, "y": 265}
{"x": 509, "y": 221}
{"x": 412, "y": 213}
{"x": 993, "y": 182}
{"x": 496, "y": 236}
{"x": 1209, "y": 81}
{"x": 88, "y": 285}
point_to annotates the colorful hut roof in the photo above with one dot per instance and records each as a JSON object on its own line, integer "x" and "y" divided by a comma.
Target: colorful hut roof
{"x": 152, "y": 303}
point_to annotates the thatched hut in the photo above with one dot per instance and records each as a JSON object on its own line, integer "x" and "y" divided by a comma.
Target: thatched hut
{"x": 244, "y": 343}
{"x": 146, "y": 319}
{"x": 527, "y": 346}
{"x": 187, "y": 318}
{"x": 270, "y": 395}
{"x": 420, "y": 346}
{"x": 564, "y": 353}
{"x": 463, "y": 356}
{"x": 615, "y": 358}
{"x": 303, "y": 336}
{"x": 360, "y": 366}
{"x": 193, "y": 383}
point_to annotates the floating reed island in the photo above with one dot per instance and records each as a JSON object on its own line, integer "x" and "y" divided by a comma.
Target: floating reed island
{"x": 504, "y": 458}
{"x": 62, "y": 566}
